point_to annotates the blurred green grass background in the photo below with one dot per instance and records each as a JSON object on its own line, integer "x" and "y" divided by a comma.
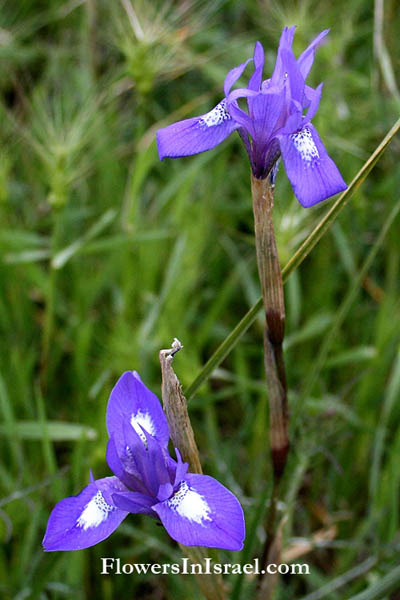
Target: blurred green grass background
{"x": 107, "y": 254}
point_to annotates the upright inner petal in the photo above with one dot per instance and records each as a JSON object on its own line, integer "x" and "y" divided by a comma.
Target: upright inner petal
{"x": 190, "y": 504}
{"x": 95, "y": 512}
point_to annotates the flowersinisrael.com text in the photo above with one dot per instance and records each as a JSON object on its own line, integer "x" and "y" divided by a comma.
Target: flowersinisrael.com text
{"x": 113, "y": 566}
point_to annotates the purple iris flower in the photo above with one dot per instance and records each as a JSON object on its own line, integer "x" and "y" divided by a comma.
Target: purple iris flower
{"x": 196, "y": 510}
{"x": 277, "y": 123}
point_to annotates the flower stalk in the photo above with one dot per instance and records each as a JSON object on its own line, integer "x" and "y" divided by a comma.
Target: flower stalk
{"x": 272, "y": 291}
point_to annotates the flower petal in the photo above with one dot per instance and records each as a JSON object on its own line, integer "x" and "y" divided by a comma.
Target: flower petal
{"x": 132, "y": 402}
{"x": 234, "y": 75}
{"x": 258, "y": 58}
{"x": 285, "y": 43}
{"x": 85, "y": 520}
{"x": 122, "y": 463}
{"x": 243, "y": 120}
{"x": 139, "y": 459}
{"x": 315, "y": 99}
{"x": 196, "y": 135}
{"x": 294, "y": 76}
{"x": 312, "y": 173}
{"x": 181, "y": 468}
{"x": 134, "y": 502}
{"x": 306, "y": 58}
{"x": 266, "y": 112}
{"x": 202, "y": 512}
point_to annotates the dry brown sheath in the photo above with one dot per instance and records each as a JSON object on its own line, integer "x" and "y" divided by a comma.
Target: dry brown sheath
{"x": 175, "y": 407}
{"x": 182, "y": 436}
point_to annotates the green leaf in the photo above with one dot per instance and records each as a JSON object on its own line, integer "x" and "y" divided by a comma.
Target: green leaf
{"x": 57, "y": 431}
{"x": 378, "y": 590}
{"x": 64, "y": 255}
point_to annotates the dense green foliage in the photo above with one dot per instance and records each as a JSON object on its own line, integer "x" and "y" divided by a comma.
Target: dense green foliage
{"x": 107, "y": 254}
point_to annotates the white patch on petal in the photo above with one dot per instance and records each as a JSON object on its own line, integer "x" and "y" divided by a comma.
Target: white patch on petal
{"x": 142, "y": 420}
{"x": 95, "y": 512}
{"x": 216, "y": 116}
{"x": 304, "y": 143}
{"x": 190, "y": 504}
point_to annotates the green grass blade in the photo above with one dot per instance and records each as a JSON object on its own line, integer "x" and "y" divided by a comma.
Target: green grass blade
{"x": 392, "y": 394}
{"x": 56, "y": 431}
{"x": 387, "y": 584}
{"x": 64, "y": 255}
{"x": 342, "y": 580}
{"x": 348, "y": 301}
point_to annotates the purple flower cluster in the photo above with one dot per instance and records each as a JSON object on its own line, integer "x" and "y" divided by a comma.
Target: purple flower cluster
{"x": 196, "y": 510}
{"x": 277, "y": 123}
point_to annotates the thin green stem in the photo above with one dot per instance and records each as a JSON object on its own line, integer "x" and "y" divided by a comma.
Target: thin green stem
{"x": 49, "y": 314}
{"x": 381, "y": 588}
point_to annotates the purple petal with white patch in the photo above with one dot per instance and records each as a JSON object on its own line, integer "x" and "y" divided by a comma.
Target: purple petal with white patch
{"x": 132, "y": 402}
{"x": 202, "y": 512}
{"x": 82, "y": 521}
{"x": 312, "y": 173}
{"x": 192, "y": 136}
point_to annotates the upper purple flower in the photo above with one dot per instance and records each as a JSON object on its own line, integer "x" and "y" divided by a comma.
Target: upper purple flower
{"x": 278, "y": 122}
{"x": 196, "y": 510}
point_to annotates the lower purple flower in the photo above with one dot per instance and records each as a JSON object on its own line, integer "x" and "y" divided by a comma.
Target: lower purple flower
{"x": 196, "y": 510}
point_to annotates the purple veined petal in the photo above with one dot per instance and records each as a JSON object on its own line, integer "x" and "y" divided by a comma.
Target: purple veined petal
{"x": 158, "y": 461}
{"x": 266, "y": 110}
{"x": 138, "y": 452}
{"x": 234, "y": 75}
{"x": 202, "y": 512}
{"x": 128, "y": 458}
{"x": 309, "y": 95}
{"x": 127, "y": 473}
{"x": 165, "y": 491}
{"x": 269, "y": 111}
{"x": 134, "y": 502}
{"x": 196, "y": 135}
{"x": 239, "y": 115}
{"x": 312, "y": 173}
{"x": 244, "y": 136}
{"x": 82, "y": 521}
{"x": 131, "y": 401}
{"x": 306, "y": 58}
{"x": 294, "y": 76}
{"x": 294, "y": 119}
{"x": 258, "y": 59}
{"x": 181, "y": 468}
{"x": 285, "y": 43}
{"x": 314, "y": 104}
